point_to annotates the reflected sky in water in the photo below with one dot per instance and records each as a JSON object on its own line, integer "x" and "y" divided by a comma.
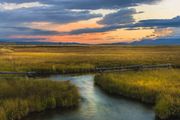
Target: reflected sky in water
{"x": 96, "y": 105}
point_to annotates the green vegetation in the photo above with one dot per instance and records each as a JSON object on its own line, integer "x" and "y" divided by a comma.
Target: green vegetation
{"x": 20, "y": 97}
{"x": 70, "y": 59}
{"x": 159, "y": 87}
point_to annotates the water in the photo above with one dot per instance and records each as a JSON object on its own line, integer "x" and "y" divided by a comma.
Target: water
{"x": 96, "y": 105}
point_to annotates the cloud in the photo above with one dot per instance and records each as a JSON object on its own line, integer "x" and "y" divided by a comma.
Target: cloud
{"x": 161, "y": 41}
{"x": 59, "y": 11}
{"x": 21, "y": 39}
{"x": 174, "y": 22}
{"x": 90, "y": 4}
{"x": 14, "y": 6}
{"x": 95, "y": 30}
{"x": 155, "y": 23}
{"x": 151, "y": 23}
{"x": 124, "y": 16}
{"x": 6, "y": 31}
{"x": 101, "y": 4}
{"x": 15, "y": 14}
{"x": 30, "y": 31}
{"x": 44, "y": 14}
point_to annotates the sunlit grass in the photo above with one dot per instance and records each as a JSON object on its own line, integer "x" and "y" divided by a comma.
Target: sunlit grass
{"x": 83, "y": 58}
{"x": 159, "y": 87}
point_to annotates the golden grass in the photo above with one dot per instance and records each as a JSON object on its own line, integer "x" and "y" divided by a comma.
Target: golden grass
{"x": 83, "y": 58}
{"x": 146, "y": 86}
{"x": 160, "y": 87}
{"x": 19, "y": 97}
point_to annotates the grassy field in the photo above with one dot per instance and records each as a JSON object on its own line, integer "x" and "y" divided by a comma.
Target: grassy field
{"x": 159, "y": 87}
{"x": 19, "y": 97}
{"x": 82, "y": 58}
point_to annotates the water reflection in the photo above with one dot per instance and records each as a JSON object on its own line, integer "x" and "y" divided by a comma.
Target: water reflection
{"x": 96, "y": 105}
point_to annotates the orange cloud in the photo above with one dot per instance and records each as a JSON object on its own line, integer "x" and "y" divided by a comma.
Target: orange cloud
{"x": 65, "y": 27}
{"x": 120, "y": 35}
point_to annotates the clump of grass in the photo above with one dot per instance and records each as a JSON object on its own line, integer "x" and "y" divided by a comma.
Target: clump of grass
{"x": 21, "y": 97}
{"x": 159, "y": 87}
{"x": 168, "y": 106}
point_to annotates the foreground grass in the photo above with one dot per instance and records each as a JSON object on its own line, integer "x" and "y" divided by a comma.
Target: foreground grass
{"x": 71, "y": 59}
{"x": 21, "y": 97}
{"x": 159, "y": 87}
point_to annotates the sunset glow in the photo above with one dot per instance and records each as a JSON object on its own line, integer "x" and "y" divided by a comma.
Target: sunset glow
{"x": 106, "y": 22}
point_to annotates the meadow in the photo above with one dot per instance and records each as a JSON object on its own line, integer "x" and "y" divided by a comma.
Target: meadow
{"x": 158, "y": 87}
{"x": 19, "y": 97}
{"x": 70, "y": 59}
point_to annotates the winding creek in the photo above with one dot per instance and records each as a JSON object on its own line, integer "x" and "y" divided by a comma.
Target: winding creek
{"x": 96, "y": 105}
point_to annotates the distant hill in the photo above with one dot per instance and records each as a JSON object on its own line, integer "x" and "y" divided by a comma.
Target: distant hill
{"x": 165, "y": 41}
{"x": 173, "y": 41}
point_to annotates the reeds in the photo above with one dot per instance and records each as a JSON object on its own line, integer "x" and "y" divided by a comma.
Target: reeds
{"x": 83, "y": 58}
{"x": 159, "y": 87}
{"x": 21, "y": 97}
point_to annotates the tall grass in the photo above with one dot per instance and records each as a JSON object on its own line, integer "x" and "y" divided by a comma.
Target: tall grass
{"x": 159, "y": 87}
{"x": 82, "y": 58}
{"x": 21, "y": 97}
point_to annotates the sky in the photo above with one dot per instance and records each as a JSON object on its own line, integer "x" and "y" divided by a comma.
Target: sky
{"x": 90, "y": 21}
